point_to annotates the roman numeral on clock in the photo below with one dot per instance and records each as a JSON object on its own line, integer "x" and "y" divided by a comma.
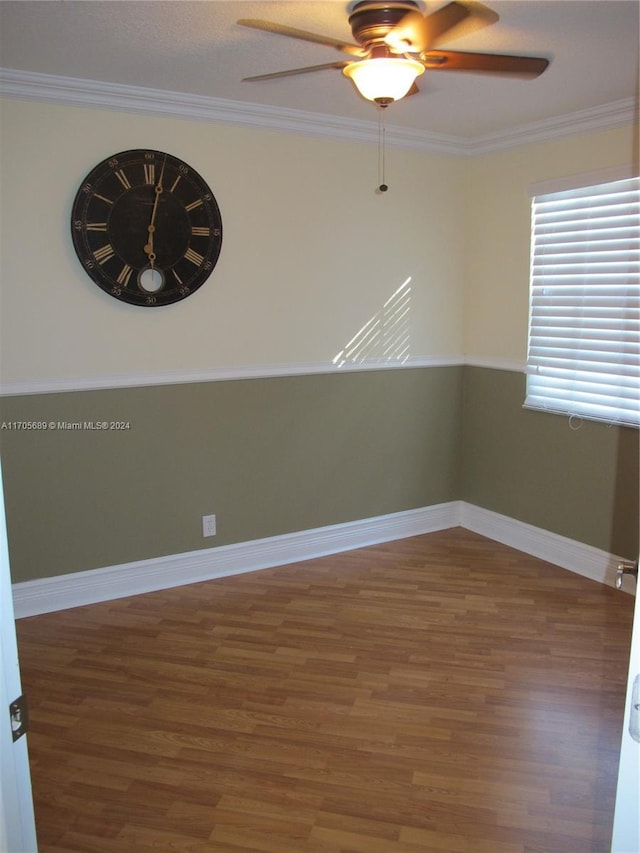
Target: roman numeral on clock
{"x": 120, "y": 175}
{"x": 125, "y": 275}
{"x": 103, "y": 198}
{"x": 103, "y": 254}
{"x": 193, "y": 256}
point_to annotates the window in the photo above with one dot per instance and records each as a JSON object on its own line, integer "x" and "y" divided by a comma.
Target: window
{"x": 584, "y": 322}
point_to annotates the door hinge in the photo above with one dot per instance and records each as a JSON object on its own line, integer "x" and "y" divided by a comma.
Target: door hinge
{"x": 634, "y": 716}
{"x": 19, "y": 713}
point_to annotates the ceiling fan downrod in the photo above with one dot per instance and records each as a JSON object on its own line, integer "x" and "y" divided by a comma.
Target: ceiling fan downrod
{"x": 382, "y": 186}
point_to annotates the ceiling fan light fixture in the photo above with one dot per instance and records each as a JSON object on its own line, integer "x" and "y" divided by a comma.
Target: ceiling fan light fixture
{"x": 384, "y": 79}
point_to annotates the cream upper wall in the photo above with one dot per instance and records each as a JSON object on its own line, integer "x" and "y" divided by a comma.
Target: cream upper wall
{"x": 499, "y": 226}
{"x": 310, "y": 252}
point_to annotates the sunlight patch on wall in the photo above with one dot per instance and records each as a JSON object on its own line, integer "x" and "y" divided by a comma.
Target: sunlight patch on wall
{"x": 385, "y": 336}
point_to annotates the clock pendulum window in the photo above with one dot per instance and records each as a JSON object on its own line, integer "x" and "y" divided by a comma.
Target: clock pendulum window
{"x": 146, "y": 228}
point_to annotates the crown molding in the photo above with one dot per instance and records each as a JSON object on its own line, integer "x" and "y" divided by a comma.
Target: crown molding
{"x": 73, "y": 91}
{"x": 603, "y": 117}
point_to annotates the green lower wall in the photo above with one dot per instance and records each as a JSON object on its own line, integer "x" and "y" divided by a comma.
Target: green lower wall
{"x": 532, "y": 466}
{"x": 267, "y": 456}
{"x": 273, "y": 456}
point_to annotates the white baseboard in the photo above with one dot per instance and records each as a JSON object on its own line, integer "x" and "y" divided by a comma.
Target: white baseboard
{"x": 79, "y": 588}
{"x": 582, "y": 559}
{"x": 74, "y": 590}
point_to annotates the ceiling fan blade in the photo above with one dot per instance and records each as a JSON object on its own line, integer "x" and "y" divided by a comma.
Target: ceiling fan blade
{"x": 417, "y": 32}
{"x": 480, "y": 16}
{"x": 438, "y": 23}
{"x": 293, "y": 71}
{"x": 292, "y": 32}
{"x": 489, "y": 63}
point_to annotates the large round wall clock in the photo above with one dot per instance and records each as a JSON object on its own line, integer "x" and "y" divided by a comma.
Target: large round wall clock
{"x": 146, "y": 227}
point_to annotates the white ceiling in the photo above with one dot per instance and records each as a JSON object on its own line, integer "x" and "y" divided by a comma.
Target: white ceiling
{"x": 197, "y": 48}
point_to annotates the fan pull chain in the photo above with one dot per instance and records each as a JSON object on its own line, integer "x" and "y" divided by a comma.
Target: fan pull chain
{"x": 382, "y": 186}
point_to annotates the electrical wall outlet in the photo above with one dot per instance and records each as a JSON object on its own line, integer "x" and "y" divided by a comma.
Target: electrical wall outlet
{"x": 208, "y": 525}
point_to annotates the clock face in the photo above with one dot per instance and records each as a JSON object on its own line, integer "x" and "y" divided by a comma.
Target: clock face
{"x": 146, "y": 228}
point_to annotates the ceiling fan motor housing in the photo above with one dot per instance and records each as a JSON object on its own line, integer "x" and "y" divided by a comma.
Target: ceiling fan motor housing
{"x": 371, "y": 21}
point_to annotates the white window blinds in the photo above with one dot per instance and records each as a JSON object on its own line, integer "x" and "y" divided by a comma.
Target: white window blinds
{"x": 584, "y": 323}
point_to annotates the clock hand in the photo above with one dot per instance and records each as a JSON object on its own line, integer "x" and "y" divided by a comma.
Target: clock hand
{"x": 151, "y": 229}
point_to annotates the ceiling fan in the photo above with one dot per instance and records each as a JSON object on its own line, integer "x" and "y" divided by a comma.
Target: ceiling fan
{"x": 396, "y": 42}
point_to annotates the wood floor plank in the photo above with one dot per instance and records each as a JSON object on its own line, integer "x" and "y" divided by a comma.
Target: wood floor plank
{"x": 442, "y": 693}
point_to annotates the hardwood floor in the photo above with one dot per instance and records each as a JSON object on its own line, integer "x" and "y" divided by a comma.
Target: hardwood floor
{"x": 440, "y": 693}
